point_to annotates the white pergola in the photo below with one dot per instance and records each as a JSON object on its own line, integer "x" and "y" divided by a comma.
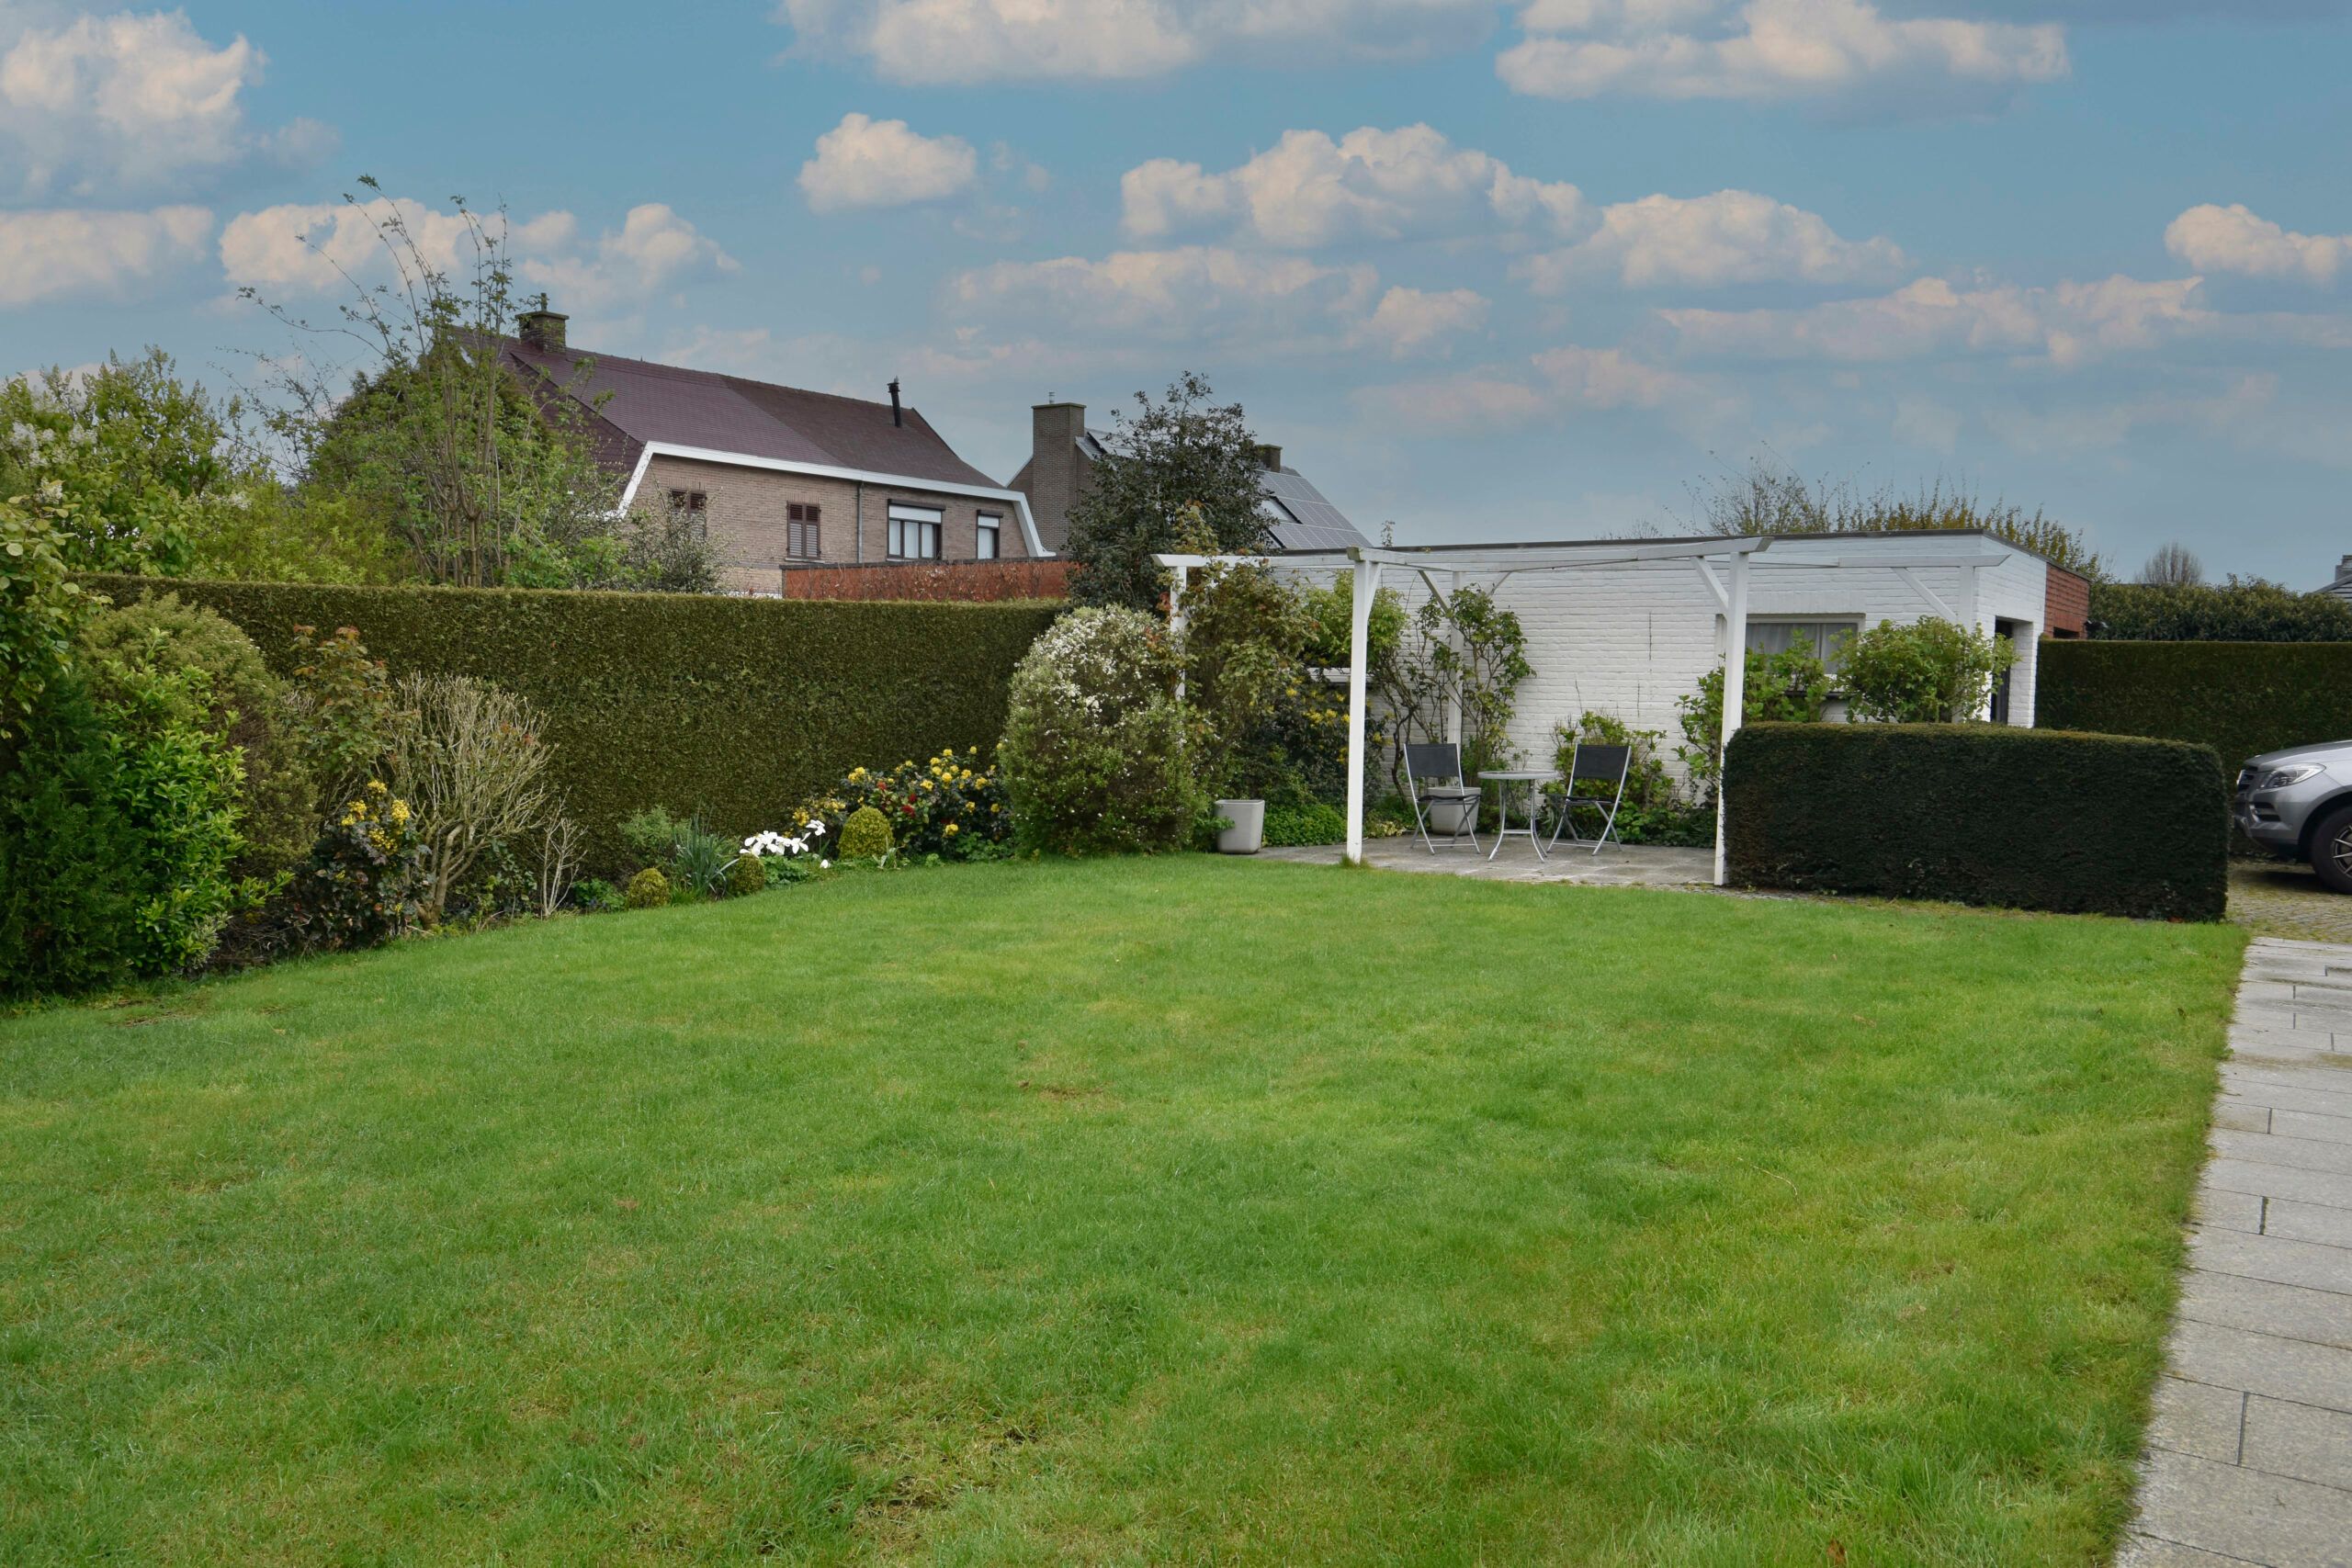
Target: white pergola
{"x": 1725, "y": 565}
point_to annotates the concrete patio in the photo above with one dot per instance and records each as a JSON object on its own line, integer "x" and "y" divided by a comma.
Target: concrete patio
{"x": 1617, "y": 866}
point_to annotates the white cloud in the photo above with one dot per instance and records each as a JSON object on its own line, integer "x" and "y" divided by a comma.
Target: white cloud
{"x": 1190, "y": 294}
{"x": 2232, "y": 238}
{"x": 324, "y": 246}
{"x": 997, "y": 40}
{"x": 865, "y": 162}
{"x": 1370, "y": 184}
{"x": 1733, "y": 236}
{"x": 1924, "y": 421}
{"x": 130, "y": 99}
{"x": 1410, "y": 321}
{"x": 2064, "y": 324}
{"x": 55, "y": 255}
{"x": 1776, "y": 51}
{"x": 1564, "y": 381}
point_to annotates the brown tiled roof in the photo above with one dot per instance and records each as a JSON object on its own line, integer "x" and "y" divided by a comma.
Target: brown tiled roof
{"x": 633, "y": 402}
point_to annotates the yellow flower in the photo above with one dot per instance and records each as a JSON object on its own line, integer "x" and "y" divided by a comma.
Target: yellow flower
{"x": 951, "y": 830}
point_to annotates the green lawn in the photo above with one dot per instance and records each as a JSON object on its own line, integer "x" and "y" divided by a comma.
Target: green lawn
{"x": 1185, "y": 1210}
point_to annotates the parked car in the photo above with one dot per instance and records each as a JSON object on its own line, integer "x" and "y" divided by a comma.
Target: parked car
{"x": 2298, "y": 805}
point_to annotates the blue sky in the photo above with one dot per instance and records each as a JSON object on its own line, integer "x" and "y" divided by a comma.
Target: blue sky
{"x": 1492, "y": 271}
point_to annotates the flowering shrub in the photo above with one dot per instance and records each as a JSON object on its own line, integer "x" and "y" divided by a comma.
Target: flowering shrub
{"x": 951, "y": 805}
{"x": 779, "y": 857}
{"x": 360, "y": 885}
{"x": 1093, "y": 751}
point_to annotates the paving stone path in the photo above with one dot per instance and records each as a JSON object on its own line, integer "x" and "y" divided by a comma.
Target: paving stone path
{"x": 2250, "y": 1450}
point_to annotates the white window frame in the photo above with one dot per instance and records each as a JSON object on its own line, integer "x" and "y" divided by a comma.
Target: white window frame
{"x": 988, "y": 536}
{"x": 918, "y": 525}
{"x": 1854, "y": 623}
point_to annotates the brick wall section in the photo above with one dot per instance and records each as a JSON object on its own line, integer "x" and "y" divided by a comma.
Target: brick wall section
{"x": 745, "y": 515}
{"x": 974, "y": 582}
{"x": 2066, "y": 605}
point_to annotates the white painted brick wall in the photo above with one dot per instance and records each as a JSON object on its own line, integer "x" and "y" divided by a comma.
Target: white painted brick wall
{"x": 1630, "y": 640}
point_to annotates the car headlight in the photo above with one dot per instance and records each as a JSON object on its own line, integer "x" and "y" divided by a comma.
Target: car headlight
{"x": 2279, "y": 778}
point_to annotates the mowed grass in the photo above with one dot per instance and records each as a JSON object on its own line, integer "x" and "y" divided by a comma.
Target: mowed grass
{"x": 1180, "y": 1211}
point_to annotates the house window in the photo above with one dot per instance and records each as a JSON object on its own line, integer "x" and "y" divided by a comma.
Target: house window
{"x": 914, "y": 531}
{"x": 1824, "y": 635}
{"x": 985, "y": 545}
{"x": 691, "y": 507}
{"x": 803, "y": 531}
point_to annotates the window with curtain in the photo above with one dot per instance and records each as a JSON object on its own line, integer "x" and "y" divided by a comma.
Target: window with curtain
{"x": 914, "y": 531}
{"x": 1779, "y": 637}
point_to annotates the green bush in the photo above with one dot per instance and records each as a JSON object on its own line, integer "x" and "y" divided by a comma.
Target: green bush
{"x": 746, "y": 874}
{"x": 1653, "y": 811}
{"x": 1980, "y": 814}
{"x": 1924, "y": 672}
{"x": 865, "y": 836}
{"x": 1788, "y": 687}
{"x": 737, "y": 709}
{"x": 1312, "y": 824}
{"x": 359, "y": 887}
{"x": 241, "y": 702}
{"x": 117, "y": 826}
{"x": 2240, "y": 698}
{"x": 2235, "y": 611}
{"x": 1093, "y": 751}
{"x": 648, "y": 890}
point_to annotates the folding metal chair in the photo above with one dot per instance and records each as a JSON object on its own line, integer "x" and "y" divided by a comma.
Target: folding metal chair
{"x": 1441, "y": 762}
{"x": 1610, "y": 765}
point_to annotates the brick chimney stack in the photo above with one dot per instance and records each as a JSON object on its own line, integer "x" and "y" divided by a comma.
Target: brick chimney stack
{"x": 541, "y": 328}
{"x": 1056, "y": 470}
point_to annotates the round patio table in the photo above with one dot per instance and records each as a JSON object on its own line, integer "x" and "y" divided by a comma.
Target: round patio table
{"x": 1534, "y": 779}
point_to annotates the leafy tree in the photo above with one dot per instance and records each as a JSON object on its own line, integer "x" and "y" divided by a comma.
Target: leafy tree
{"x": 1178, "y": 464}
{"x": 1768, "y": 497}
{"x": 2240, "y": 610}
{"x": 40, "y": 606}
{"x": 2172, "y": 567}
{"x": 480, "y": 478}
{"x": 1245, "y": 638}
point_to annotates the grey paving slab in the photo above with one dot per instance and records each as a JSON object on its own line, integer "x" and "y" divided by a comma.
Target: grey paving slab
{"x": 2279, "y": 1181}
{"x": 2249, "y": 1455}
{"x": 2274, "y": 1520}
{"x": 2323, "y": 1317}
{"x": 2278, "y": 1259}
{"x": 2301, "y": 1440}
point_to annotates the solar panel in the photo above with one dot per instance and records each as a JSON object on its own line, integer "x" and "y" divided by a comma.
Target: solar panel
{"x": 1314, "y": 523}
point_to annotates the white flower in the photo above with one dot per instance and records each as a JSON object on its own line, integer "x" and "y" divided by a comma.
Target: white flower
{"x": 81, "y": 436}
{"x": 815, "y": 829}
{"x": 53, "y": 490}
{"x": 824, "y": 865}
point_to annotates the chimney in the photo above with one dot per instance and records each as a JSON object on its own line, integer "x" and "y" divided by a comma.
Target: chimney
{"x": 541, "y": 328}
{"x": 898, "y": 414}
{"x": 1271, "y": 459}
{"x": 2343, "y": 570}
{"x": 1057, "y": 471}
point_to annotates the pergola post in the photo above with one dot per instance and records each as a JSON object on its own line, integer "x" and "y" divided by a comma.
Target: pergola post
{"x": 1367, "y": 588}
{"x": 1735, "y": 689}
{"x": 1181, "y": 572}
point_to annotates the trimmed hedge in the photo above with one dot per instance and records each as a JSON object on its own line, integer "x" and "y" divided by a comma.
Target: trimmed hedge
{"x": 736, "y": 708}
{"x": 2240, "y": 698}
{"x": 1980, "y": 814}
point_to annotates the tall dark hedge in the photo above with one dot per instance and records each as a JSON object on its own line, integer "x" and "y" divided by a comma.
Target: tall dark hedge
{"x": 736, "y": 708}
{"x": 2240, "y": 698}
{"x": 2226, "y": 612}
{"x": 1980, "y": 814}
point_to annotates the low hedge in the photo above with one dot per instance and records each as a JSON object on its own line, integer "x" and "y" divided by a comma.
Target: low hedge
{"x": 1980, "y": 814}
{"x": 735, "y": 708}
{"x": 2240, "y": 698}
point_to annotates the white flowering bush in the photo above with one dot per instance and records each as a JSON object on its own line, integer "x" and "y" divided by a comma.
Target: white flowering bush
{"x": 784, "y": 857}
{"x": 1093, "y": 752}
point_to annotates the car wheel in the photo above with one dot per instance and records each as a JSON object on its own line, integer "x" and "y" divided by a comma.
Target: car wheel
{"x": 2332, "y": 849}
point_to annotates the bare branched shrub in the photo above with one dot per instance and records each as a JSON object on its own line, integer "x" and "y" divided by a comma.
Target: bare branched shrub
{"x": 468, "y": 759}
{"x": 559, "y": 860}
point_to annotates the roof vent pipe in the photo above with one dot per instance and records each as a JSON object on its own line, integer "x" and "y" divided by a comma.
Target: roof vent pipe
{"x": 897, "y": 415}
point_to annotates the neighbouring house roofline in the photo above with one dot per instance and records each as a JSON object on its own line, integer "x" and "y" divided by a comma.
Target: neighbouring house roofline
{"x": 1012, "y": 498}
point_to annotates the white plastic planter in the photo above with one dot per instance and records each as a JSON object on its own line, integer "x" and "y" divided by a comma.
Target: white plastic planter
{"x": 1450, "y": 817}
{"x": 1248, "y": 833}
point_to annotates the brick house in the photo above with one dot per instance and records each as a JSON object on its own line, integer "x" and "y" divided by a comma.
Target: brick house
{"x": 777, "y": 476}
{"x": 1063, "y": 453}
